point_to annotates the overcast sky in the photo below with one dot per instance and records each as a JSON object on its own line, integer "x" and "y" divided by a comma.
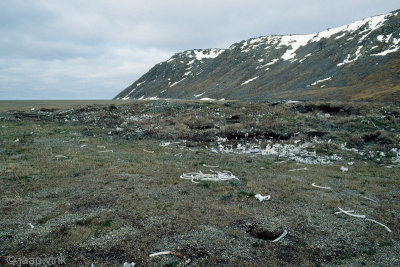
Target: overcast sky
{"x": 92, "y": 49}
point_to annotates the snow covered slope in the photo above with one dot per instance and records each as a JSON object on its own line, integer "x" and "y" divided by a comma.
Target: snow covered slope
{"x": 353, "y": 62}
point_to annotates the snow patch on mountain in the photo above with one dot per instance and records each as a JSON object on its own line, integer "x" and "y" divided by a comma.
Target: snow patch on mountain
{"x": 294, "y": 42}
{"x": 392, "y": 49}
{"x": 197, "y": 96}
{"x": 305, "y": 57}
{"x": 321, "y": 81}
{"x": 200, "y": 54}
{"x": 351, "y": 58}
{"x": 270, "y": 59}
{"x": 272, "y": 62}
{"x": 371, "y": 24}
{"x": 133, "y": 90}
{"x": 175, "y": 83}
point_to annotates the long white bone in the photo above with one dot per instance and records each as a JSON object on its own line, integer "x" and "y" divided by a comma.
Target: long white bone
{"x": 281, "y": 236}
{"x": 353, "y": 215}
{"x": 381, "y": 224}
{"x": 322, "y": 187}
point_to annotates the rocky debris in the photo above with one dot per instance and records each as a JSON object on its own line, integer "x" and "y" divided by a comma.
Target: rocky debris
{"x": 298, "y": 131}
{"x": 233, "y": 119}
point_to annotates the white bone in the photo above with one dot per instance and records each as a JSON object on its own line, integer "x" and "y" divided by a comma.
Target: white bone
{"x": 302, "y": 169}
{"x": 353, "y": 215}
{"x": 381, "y": 224}
{"x": 323, "y": 187}
{"x": 262, "y": 198}
{"x": 281, "y": 236}
{"x": 160, "y": 253}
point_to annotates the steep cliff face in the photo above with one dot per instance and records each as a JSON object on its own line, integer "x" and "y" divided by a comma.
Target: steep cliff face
{"x": 358, "y": 61}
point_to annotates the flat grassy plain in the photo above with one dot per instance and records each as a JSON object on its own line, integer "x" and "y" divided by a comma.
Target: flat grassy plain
{"x": 24, "y": 105}
{"x": 99, "y": 182}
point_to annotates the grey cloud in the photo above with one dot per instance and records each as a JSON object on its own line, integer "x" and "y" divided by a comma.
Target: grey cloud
{"x": 58, "y": 47}
{"x": 99, "y": 77}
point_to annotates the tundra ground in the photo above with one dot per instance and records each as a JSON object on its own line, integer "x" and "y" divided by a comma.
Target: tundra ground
{"x": 100, "y": 183}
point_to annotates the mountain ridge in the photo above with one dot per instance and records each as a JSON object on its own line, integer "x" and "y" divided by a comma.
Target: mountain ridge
{"x": 357, "y": 61}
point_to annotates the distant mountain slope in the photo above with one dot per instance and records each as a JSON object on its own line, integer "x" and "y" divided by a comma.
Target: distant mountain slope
{"x": 359, "y": 61}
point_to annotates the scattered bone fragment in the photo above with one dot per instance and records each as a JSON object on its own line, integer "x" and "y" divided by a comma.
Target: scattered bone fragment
{"x": 127, "y": 264}
{"x": 338, "y": 212}
{"x": 209, "y": 166}
{"x": 322, "y": 187}
{"x": 215, "y": 177}
{"x": 163, "y": 144}
{"x": 183, "y": 257}
{"x": 262, "y": 198}
{"x": 370, "y": 199}
{"x": 350, "y": 214}
{"x": 160, "y": 253}
{"x": 381, "y": 224}
{"x": 301, "y": 169}
{"x": 281, "y": 236}
{"x": 107, "y": 151}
